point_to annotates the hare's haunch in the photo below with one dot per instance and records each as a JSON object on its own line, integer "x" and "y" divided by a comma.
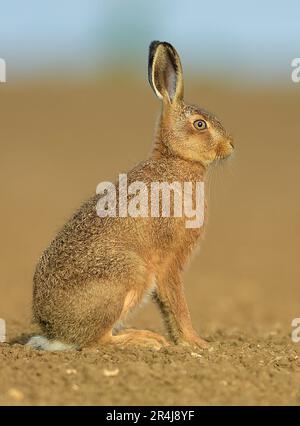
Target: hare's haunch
{"x": 98, "y": 269}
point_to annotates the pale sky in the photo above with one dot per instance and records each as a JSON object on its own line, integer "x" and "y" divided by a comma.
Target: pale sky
{"x": 256, "y": 39}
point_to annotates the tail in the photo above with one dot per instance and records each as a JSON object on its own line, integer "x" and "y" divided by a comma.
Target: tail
{"x": 42, "y": 343}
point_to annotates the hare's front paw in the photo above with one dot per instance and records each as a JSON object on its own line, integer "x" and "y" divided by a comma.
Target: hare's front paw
{"x": 194, "y": 341}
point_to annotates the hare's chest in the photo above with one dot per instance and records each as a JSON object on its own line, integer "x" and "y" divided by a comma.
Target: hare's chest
{"x": 183, "y": 242}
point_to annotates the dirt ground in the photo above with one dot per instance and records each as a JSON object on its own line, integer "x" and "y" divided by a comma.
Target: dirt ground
{"x": 58, "y": 141}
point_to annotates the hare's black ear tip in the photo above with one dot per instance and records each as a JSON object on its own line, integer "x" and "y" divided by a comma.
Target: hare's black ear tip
{"x": 153, "y": 46}
{"x": 155, "y": 43}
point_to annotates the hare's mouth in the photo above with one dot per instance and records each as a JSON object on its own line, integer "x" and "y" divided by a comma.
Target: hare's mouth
{"x": 225, "y": 149}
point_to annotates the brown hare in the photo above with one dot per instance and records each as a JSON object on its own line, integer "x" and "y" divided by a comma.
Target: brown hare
{"x": 99, "y": 269}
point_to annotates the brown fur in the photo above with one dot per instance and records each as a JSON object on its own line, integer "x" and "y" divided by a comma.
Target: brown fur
{"x": 97, "y": 270}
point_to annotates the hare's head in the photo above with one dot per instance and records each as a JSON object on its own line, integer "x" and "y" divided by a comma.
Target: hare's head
{"x": 186, "y": 131}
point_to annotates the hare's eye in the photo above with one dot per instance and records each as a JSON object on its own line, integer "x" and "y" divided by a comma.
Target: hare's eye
{"x": 200, "y": 124}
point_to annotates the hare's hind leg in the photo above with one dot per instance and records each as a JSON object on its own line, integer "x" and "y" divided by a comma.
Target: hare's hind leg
{"x": 132, "y": 337}
{"x": 85, "y": 314}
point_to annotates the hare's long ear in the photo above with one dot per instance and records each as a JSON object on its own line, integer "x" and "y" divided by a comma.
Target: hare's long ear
{"x": 165, "y": 72}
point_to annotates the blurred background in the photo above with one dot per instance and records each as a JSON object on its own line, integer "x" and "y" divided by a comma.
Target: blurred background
{"x": 77, "y": 109}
